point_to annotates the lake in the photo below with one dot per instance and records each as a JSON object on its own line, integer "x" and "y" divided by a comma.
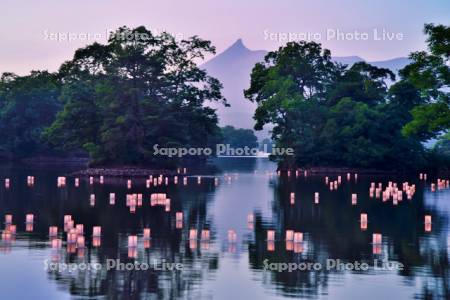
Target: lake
{"x": 231, "y": 255}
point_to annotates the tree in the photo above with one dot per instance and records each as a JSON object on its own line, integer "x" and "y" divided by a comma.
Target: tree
{"x": 332, "y": 114}
{"x": 123, "y": 97}
{"x": 28, "y": 104}
{"x": 239, "y": 137}
{"x": 430, "y": 74}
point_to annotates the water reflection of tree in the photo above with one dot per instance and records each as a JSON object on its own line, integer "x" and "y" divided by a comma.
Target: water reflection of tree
{"x": 51, "y": 204}
{"x": 332, "y": 230}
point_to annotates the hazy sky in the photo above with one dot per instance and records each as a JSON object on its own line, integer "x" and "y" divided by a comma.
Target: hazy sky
{"x": 28, "y": 29}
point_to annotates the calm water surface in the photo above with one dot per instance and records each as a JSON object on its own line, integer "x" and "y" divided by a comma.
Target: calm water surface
{"x": 219, "y": 269}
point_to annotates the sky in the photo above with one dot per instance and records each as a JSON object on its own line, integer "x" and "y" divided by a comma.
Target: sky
{"x": 35, "y": 34}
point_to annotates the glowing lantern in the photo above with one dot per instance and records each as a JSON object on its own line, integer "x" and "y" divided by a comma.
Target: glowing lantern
{"x": 354, "y": 199}
{"x": 53, "y": 231}
{"x": 289, "y": 235}
{"x": 29, "y": 218}
{"x": 112, "y": 198}
{"x": 232, "y": 237}
{"x": 298, "y": 237}
{"x": 205, "y": 235}
{"x": 376, "y": 238}
{"x": 132, "y": 241}
{"x": 147, "y": 233}
{"x": 271, "y": 235}
{"x": 97, "y": 231}
{"x": 8, "y": 219}
{"x": 193, "y": 234}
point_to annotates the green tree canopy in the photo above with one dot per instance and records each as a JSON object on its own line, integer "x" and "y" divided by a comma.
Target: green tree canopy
{"x": 123, "y": 97}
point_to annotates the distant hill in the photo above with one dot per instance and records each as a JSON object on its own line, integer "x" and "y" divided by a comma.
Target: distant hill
{"x": 233, "y": 67}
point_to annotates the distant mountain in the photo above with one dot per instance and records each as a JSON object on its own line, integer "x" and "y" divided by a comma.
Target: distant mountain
{"x": 233, "y": 67}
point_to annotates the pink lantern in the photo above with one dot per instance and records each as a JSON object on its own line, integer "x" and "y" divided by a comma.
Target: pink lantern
{"x": 96, "y": 231}
{"x": 289, "y": 235}
{"x": 147, "y": 233}
{"x": 132, "y": 241}
{"x": 376, "y": 238}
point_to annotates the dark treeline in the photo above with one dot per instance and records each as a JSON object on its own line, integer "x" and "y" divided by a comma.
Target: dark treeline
{"x": 113, "y": 102}
{"x": 355, "y": 116}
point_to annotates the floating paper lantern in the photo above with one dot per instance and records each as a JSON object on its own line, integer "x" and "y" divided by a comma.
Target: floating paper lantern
{"x": 316, "y": 198}
{"x": 298, "y": 237}
{"x": 29, "y": 227}
{"x": 250, "y": 218}
{"x": 363, "y": 218}
{"x": 175, "y": 180}
{"x": 69, "y": 225}
{"x": 185, "y": 181}
{"x": 53, "y": 231}
{"x": 376, "y": 238}
{"x": 29, "y": 218}
{"x": 205, "y": 235}
{"x": 80, "y": 241}
{"x": 96, "y": 231}
{"x": 354, "y": 199}
{"x": 292, "y": 198}
{"x": 77, "y": 182}
{"x": 72, "y": 236}
{"x": 428, "y": 219}
{"x": 348, "y": 176}
{"x": 232, "y": 236}
{"x": 79, "y": 229}
{"x": 289, "y": 235}
{"x": 132, "y": 241}
{"x": 67, "y": 218}
{"x": 112, "y": 198}
{"x": 193, "y": 234}
{"x": 271, "y": 235}
{"x": 8, "y": 219}
{"x": 61, "y": 182}
{"x": 129, "y": 183}
{"x": 102, "y": 180}
{"x": 147, "y": 233}
{"x": 91, "y": 180}
{"x": 179, "y": 217}
{"x": 30, "y": 180}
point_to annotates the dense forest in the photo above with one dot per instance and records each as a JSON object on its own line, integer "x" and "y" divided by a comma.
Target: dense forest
{"x": 112, "y": 102}
{"x": 356, "y": 116}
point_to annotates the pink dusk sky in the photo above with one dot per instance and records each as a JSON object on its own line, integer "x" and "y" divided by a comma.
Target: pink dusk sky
{"x": 374, "y": 30}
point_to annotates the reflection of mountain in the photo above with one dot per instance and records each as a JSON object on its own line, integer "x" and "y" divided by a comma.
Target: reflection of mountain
{"x": 233, "y": 67}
